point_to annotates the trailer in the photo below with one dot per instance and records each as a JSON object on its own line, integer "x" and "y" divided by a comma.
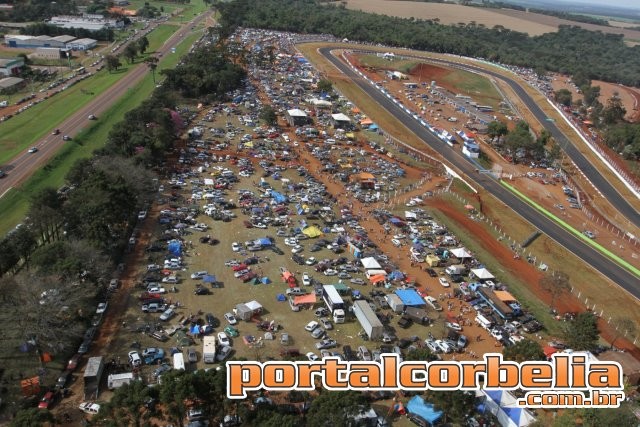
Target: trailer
{"x": 115, "y": 381}
{"x": 92, "y": 377}
{"x": 418, "y": 315}
{"x": 209, "y": 349}
{"x": 395, "y": 303}
{"x": 368, "y": 319}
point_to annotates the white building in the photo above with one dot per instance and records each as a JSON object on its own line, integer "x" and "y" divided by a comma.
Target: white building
{"x": 86, "y": 21}
{"x": 82, "y": 44}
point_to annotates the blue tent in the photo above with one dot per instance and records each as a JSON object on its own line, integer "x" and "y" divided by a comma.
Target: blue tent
{"x": 279, "y": 198}
{"x": 263, "y": 241}
{"x": 426, "y": 410}
{"x": 373, "y": 126}
{"x": 396, "y": 275}
{"x": 209, "y": 278}
{"x": 281, "y": 297}
{"x": 265, "y": 280}
{"x": 175, "y": 247}
{"x": 195, "y": 330}
{"x": 410, "y": 297}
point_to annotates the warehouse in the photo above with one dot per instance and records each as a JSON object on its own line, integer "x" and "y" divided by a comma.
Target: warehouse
{"x": 82, "y": 44}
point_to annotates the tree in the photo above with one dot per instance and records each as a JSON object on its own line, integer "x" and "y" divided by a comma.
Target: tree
{"x": 497, "y": 129}
{"x": 582, "y": 333}
{"x": 113, "y": 62}
{"x": 524, "y": 350}
{"x": 556, "y": 284}
{"x": 152, "y": 63}
{"x": 32, "y": 417}
{"x": 591, "y": 95}
{"x": 325, "y": 85}
{"x": 420, "y": 354}
{"x": 143, "y": 44}
{"x": 176, "y": 391}
{"x": 614, "y": 112}
{"x": 554, "y": 153}
{"x": 564, "y": 97}
{"x": 126, "y": 407}
{"x": 457, "y": 405}
{"x": 335, "y": 408}
{"x": 130, "y": 52}
{"x": 268, "y": 115}
{"x": 24, "y": 241}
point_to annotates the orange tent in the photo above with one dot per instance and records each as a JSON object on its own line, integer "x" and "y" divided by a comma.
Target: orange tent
{"x": 377, "y": 278}
{"x": 366, "y": 121}
{"x": 305, "y": 299}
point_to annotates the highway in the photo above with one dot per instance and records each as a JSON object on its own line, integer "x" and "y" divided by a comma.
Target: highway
{"x": 600, "y": 182}
{"x": 20, "y": 168}
{"x": 604, "y": 265}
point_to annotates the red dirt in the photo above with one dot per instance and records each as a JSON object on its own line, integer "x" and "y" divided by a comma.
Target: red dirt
{"x": 428, "y": 72}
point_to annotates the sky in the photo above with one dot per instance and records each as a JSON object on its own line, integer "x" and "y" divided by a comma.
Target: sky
{"x": 633, "y": 4}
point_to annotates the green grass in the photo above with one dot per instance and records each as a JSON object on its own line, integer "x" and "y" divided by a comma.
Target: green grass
{"x": 474, "y": 85}
{"x": 631, "y": 268}
{"x": 14, "y": 205}
{"x": 402, "y": 65}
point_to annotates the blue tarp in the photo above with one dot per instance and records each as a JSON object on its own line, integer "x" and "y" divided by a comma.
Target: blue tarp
{"x": 426, "y": 410}
{"x": 513, "y": 413}
{"x": 396, "y": 275}
{"x": 279, "y": 198}
{"x": 265, "y": 280}
{"x": 264, "y": 241}
{"x": 281, "y": 297}
{"x": 410, "y": 297}
{"x": 195, "y": 330}
{"x": 175, "y": 247}
{"x": 209, "y": 278}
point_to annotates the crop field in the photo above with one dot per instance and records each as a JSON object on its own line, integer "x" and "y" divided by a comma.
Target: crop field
{"x": 533, "y": 24}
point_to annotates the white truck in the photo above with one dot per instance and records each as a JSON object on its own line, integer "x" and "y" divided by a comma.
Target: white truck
{"x": 115, "y": 381}
{"x": 209, "y": 349}
{"x": 334, "y": 303}
{"x": 368, "y": 319}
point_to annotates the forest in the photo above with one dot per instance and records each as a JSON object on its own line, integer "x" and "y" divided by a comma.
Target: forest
{"x": 570, "y": 50}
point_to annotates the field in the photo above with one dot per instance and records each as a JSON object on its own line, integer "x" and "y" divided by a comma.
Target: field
{"x": 14, "y": 205}
{"x": 532, "y": 23}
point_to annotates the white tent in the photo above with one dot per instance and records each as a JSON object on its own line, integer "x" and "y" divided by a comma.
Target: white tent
{"x": 409, "y": 214}
{"x": 482, "y": 274}
{"x": 370, "y": 263}
{"x": 461, "y": 253}
{"x": 254, "y": 306}
{"x": 504, "y": 406}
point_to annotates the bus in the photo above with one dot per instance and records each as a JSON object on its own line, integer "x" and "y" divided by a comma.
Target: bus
{"x": 334, "y": 303}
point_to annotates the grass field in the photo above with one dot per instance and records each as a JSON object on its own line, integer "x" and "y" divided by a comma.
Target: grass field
{"x": 14, "y": 205}
{"x": 402, "y": 65}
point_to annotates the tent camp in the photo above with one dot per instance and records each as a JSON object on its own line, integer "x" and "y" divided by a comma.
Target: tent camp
{"x": 482, "y": 274}
{"x": 418, "y": 406}
{"x": 461, "y": 253}
{"x": 312, "y": 231}
{"x": 504, "y": 406}
{"x": 370, "y": 263}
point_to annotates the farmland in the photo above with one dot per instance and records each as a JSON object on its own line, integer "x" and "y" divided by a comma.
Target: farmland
{"x": 452, "y": 14}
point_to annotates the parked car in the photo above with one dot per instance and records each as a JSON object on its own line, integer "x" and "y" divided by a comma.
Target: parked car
{"x": 326, "y": 323}
{"x": 317, "y": 333}
{"x": 89, "y": 407}
{"x": 192, "y": 356}
{"x": 47, "y": 400}
{"x": 364, "y": 353}
{"x": 223, "y": 339}
{"x": 312, "y": 356}
{"x": 223, "y": 353}
{"x": 311, "y": 326}
{"x": 326, "y": 343}
{"x": 161, "y": 370}
{"x": 134, "y": 359}
{"x": 231, "y": 331}
{"x": 102, "y": 307}
{"x": 167, "y": 314}
{"x": 229, "y": 317}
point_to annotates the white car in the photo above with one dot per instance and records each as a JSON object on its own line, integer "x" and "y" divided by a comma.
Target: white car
{"x": 312, "y": 356}
{"x": 297, "y": 249}
{"x": 223, "y": 339}
{"x": 142, "y": 215}
{"x": 89, "y": 407}
{"x": 290, "y": 241}
{"x": 311, "y": 326}
{"x": 33, "y": 150}
{"x": 444, "y": 282}
{"x": 134, "y": 359}
{"x": 198, "y": 275}
{"x": 156, "y": 290}
{"x": 311, "y": 261}
{"x": 306, "y": 280}
{"x": 330, "y": 272}
{"x": 454, "y": 326}
{"x": 167, "y": 314}
{"x": 229, "y": 317}
{"x": 235, "y": 247}
{"x": 102, "y": 307}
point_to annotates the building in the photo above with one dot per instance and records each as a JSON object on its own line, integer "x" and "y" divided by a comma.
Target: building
{"x": 11, "y": 66}
{"x": 10, "y": 82}
{"x": 34, "y": 42}
{"x": 53, "y": 53}
{"x": 297, "y": 117}
{"x": 86, "y": 21}
{"x": 630, "y": 365}
{"x": 82, "y": 44}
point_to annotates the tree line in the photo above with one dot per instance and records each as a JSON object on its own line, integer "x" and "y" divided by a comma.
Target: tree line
{"x": 42, "y": 28}
{"x": 569, "y": 50}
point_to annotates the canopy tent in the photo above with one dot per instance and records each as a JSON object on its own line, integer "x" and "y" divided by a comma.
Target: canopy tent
{"x": 264, "y": 241}
{"x": 396, "y": 275}
{"x": 410, "y": 297}
{"x": 505, "y": 296}
{"x": 370, "y": 263}
{"x": 418, "y": 406}
{"x": 209, "y": 278}
{"x": 175, "y": 247}
{"x": 461, "y": 253}
{"x": 265, "y": 280}
{"x": 482, "y": 274}
{"x": 504, "y": 406}
{"x": 312, "y": 231}
{"x": 281, "y": 297}
{"x": 378, "y": 278}
{"x": 243, "y": 312}
{"x": 254, "y": 306}
{"x": 548, "y": 351}
{"x": 366, "y": 122}
{"x": 305, "y": 299}
{"x": 279, "y": 198}
{"x": 341, "y": 287}
{"x": 409, "y": 214}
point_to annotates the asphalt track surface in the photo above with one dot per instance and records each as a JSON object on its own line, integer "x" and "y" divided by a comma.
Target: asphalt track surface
{"x": 601, "y": 183}
{"x": 20, "y": 168}
{"x": 625, "y": 279}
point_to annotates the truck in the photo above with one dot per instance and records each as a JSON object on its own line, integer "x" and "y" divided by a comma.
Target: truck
{"x": 334, "y": 303}
{"x": 115, "y": 381}
{"x": 92, "y": 377}
{"x": 178, "y": 361}
{"x": 456, "y": 270}
{"x": 209, "y": 349}
{"x": 395, "y": 303}
{"x": 368, "y": 319}
{"x": 418, "y": 315}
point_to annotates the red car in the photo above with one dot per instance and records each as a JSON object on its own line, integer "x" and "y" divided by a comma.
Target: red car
{"x": 47, "y": 400}
{"x": 73, "y": 362}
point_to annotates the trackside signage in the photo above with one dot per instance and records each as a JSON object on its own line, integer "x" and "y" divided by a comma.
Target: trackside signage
{"x": 566, "y": 381}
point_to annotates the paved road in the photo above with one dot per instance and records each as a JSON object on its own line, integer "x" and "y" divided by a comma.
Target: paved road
{"x": 600, "y": 182}
{"x": 608, "y": 268}
{"x": 24, "y": 165}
